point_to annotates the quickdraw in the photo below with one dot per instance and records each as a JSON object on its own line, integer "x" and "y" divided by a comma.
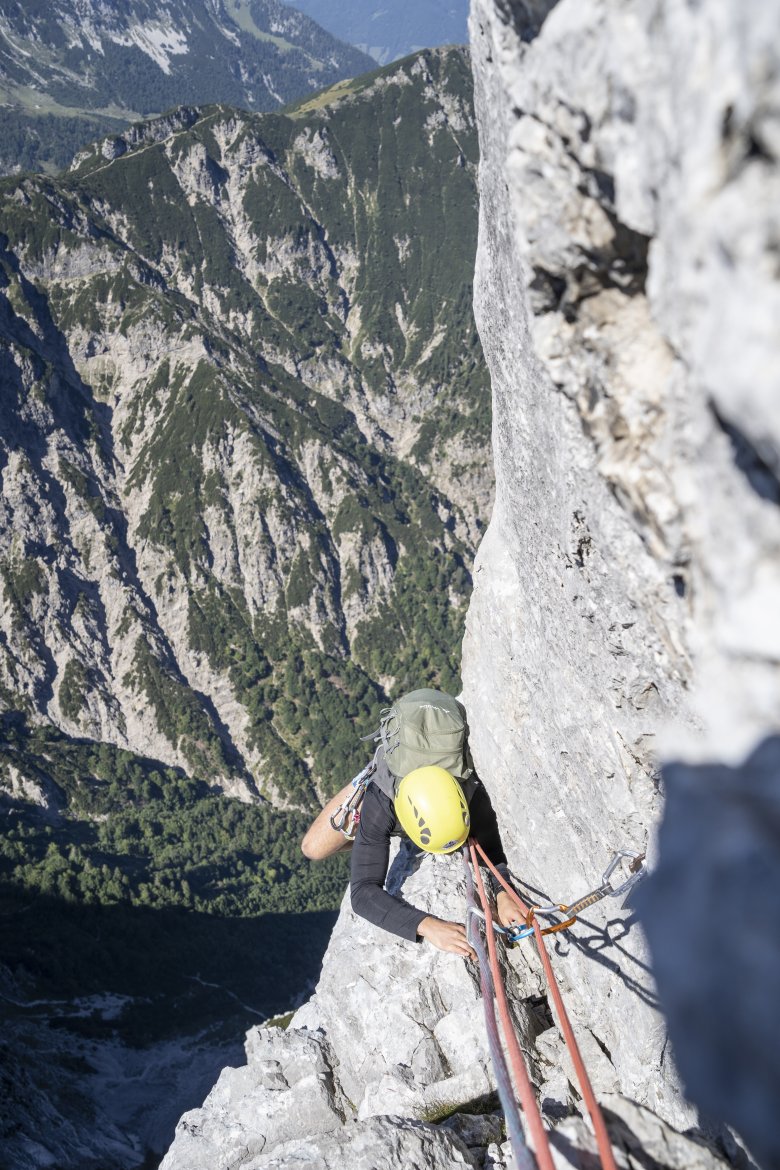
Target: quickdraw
{"x": 346, "y": 818}
{"x": 572, "y": 909}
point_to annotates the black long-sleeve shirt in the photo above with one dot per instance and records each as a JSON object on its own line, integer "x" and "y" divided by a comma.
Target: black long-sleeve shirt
{"x": 371, "y": 853}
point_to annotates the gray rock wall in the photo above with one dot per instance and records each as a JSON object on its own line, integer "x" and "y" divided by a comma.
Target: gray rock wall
{"x": 628, "y": 590}
{"x": 387, "y": 1065}
{"x": 393, "y": 1029}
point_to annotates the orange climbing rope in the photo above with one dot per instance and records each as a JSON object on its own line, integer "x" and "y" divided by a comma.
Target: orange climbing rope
{"x": 523, "y": 1086}
{"x": 596, "y": 1116}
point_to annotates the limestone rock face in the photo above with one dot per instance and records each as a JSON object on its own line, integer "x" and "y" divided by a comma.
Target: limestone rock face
{"x": 394, "y": 1039}
{"x": 405, "y": 1021}
{"x": 394, "y": 1028}
{"x": 627, "y": 592}
{"x": 381, "y": 1141}
{"x": 257, "y": 1107}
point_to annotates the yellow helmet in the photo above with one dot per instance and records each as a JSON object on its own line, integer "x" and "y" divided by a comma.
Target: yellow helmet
{"x": 432, "y": 809}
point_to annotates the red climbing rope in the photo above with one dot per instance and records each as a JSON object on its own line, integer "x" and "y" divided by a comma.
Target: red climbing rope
{"x": 523, "y": 1085}
{"x": 596, "y": 1116}
{"x": 524, "y": 1159}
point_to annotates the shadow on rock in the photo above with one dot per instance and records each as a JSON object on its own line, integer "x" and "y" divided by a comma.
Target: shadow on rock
{"x": 711, "y": 912}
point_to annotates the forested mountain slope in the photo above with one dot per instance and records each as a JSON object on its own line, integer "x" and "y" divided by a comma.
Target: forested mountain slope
{"x": 73, "y": 70}
{"x": 244, "y": 450}
{"x": 620, "y": 663}
{"x": 241, "y": 379}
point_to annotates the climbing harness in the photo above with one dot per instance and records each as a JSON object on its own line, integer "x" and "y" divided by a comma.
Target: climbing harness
{"x": 346, "y": 818}
{"x": 520, "y": 1073}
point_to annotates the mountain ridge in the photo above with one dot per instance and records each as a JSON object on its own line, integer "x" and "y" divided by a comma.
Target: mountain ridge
{"x": 85, "y": 64}
{"x": 144, "y": 344}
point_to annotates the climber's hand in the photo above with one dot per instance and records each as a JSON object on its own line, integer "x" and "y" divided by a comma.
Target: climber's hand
{"x": 508, "y": 910}
{"x": 447, "y": 936}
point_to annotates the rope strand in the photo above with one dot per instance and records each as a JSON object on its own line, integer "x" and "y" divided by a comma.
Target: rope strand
{"x": 592, "y": 1105}
{"x": 523, "y": 1085}
{"x": 523, "y": 1157}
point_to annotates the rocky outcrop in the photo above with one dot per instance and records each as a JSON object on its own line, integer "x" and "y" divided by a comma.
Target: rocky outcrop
{"x": 397, "y": 1025}
{"x": 388, "y": 1064}
{"x": 625, "y": 295}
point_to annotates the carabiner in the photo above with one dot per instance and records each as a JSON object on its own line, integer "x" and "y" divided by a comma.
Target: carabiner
{"x": 514, "y": 934}
{"x": 637, "y": 866}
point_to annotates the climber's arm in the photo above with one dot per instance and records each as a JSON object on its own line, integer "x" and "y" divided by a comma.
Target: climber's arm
{"x": 371, "y": 900}
{"x": 321, "y": 839}
{"x": 370, "y": 857}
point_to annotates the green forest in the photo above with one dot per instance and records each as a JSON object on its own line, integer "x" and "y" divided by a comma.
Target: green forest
{"x": 138, "y": 879}
{"x": 143, "y": 835}
{"x": 47, "y": 142}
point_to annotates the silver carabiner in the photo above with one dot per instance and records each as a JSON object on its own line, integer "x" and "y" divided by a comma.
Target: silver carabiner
{"x": 510, "y": 931}
{"x": 350, "y": 807}
{"x": 636, "y": 876}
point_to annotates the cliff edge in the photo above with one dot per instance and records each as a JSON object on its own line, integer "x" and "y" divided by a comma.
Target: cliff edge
{"x": 623, "y": 634}
{"x": 626, "y": 604}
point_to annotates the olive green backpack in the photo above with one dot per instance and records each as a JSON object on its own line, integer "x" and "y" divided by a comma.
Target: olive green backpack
{"x": 424, "y": 727}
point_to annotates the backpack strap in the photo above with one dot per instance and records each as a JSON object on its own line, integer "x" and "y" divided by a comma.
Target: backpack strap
{"x": 470, "y": 786}
{"x": 376, "y": 736}
{"x": 382, "y": 776}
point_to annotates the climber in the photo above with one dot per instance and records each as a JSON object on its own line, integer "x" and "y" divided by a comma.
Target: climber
{"x": 428, "y": 806}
